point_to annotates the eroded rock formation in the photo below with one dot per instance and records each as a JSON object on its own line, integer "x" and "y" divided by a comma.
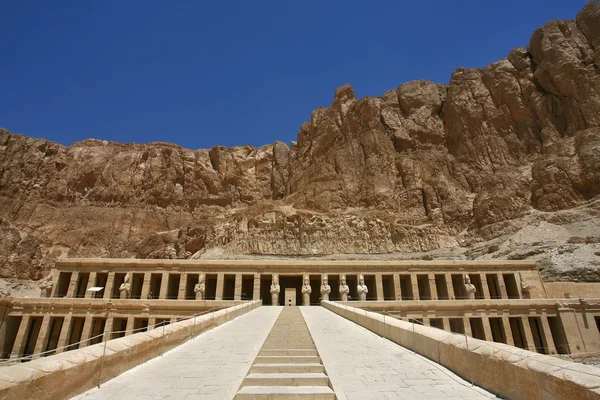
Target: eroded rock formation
{"x": 423, "y": 168}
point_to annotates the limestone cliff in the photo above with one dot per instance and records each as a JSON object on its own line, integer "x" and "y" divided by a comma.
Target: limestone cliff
{"x": 425, "y": 170}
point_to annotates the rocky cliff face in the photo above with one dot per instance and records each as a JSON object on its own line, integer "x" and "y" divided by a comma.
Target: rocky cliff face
{"x": 425, "y": 170}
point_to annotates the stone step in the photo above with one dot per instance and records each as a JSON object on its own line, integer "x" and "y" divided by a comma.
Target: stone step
{"x": 288, "y": 352}
{"x": 287, "y": 360}
{"x": 285, "y": 392}
{"x": 286, "y": 368}
{"x": 286, "y": 379}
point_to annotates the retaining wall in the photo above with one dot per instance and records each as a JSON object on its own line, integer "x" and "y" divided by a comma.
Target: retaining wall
{"x": 67, "y": 374}
{"x": 505, "y": 370}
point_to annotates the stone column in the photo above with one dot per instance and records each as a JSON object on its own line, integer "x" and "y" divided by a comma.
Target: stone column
{"x": 237, "y": 291}
{"x": 507, "y": 331}
{"x": 129, "y": 326}
{"x": 256, "y": 288}
{"x": 164, "y": 286}
{"x": 19, "y": 346}
{"x": 446, "y": 324}
{"x": 182, "y": 286}
{"x": 64, "y": 333}
{"x": 467, "y": 324}
{"x": 86, "y": 331}
{"x": 54, "y": 290}
{"x": 220, "y": 286}
{"x": 485, "y": 287}
{"x": 151, "y": 322}
{"x": 450, "y": 288}
{"x": 108, "y": 328}
{"x": 379, "y": 287}
{"x": 502, "y": 286}
{"x": 397, "y": 287}
{"x": 528, "y": 335}
{"x": 146, "y": 286}
{"x": 487, "y": 330}
{"x": 72, "y": 285}
{"x": 42, "y": 336}
{"x": 110, "y": 281}
{"x": 549, "y": 341}
{"x": 91, "y": 283}
{"x": 432, "y": 286}
{"x": 415, "y": 286}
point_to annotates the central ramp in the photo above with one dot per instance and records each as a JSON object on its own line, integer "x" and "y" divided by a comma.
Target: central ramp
{"x": 288, "y": 366}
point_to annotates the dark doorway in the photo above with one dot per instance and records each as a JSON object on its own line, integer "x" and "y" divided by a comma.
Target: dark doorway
{"x": 457, "y": 325}
{"x": 315, "y": 287}
{"x": 228, "y": 287}
{"x": 406, "y": 287}
{"x": 54, "y": 328}
{"x": 424, "y": 290}
{"x": 476, "y": 281}
{"x": 441, "y": 287}
{"x": 155, "y": 285}
{"x": 334, "y": 282}
{"x": 389, "y": 291}
{"x": 477, "y": 328}
{"x": 493, "y": 285}
{"x": 537, "y": 331}
{"x": 75, "y": 332}
{"x": 101, "y": 278}
{"x": 290, "y": 281}
{"x": 211, "y": 287}
{"x": 192, "y": 281}
{"x": 82, "y": 283}
{"x": 35, "y": 323}
{"x": 137, "y": 281}
{"x": 371, "y": 283}
{"x": 511, "y": 286}
{"x": 247, "y": 287}
{"x": 8, "y": 332}
{"x": 117, "y": 282}
{"x": 458, "y": 285}
{"x": 516, "y": 328}
{"x": 558, "y": 335}
{"x": 265, "y": 290}
{"x": 64, "y": 279}
{"x": 498, "y": 334}
{"x": 173, "y": 288}
{"x": 352, "y": 282}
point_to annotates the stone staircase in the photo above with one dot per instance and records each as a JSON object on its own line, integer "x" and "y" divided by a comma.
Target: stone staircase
{"x": 288, "y": 365}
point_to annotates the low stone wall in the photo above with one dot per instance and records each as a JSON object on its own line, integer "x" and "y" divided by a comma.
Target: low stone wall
{"x": 65, "y": 375}
{"x": 582, "y": 358}
{"x": 505, "y": 370}
{"x": 557, "y": 290}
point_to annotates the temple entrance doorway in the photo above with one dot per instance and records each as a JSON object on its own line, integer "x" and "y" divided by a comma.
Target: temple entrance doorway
{"x": 290, "y": 297}
{"x": 291, "y": 282}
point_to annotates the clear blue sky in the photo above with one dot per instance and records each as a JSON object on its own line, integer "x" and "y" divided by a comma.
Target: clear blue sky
{"x": 201, "y": 73}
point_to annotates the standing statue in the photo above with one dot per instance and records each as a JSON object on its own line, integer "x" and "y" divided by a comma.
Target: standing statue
{"x": 275, "y": 289}
{"x": 200, "y": 287}
{"x": 470, "y": 289}
{"x": 362, "y": 288}
{"x": 325, "y": 288}
{"x": 125, "y": 288}
{"x": 46, "y": 286}
{"x": 306, "y": 291}
{"x": 344, "y": 289}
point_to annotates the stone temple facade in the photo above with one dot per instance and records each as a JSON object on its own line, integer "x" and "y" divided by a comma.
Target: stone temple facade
{"x": 103, "y": 299}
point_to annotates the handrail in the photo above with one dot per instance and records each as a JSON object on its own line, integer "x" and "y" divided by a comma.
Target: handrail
{"x": 163, "y": 323}
{"x": 491, "y": 344}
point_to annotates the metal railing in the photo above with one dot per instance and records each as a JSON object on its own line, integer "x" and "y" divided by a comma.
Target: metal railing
{"x": 467, "y": 338}
{"x": 75, "y": 346}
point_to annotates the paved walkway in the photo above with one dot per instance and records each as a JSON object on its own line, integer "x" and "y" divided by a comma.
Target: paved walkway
{"x": 211, "y": 366}
{"x": 364, "y": 366}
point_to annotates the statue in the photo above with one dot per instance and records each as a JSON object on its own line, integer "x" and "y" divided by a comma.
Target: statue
{"x": 470, "y": 289}
{"x": 325, "y": 288}
{"x": 200, "y": 287}
{"x": 525, "y": 288}
{"x": 306, "y": 291}
{"x": 362, "y": 288}
{"x": 125, "y": 287}
{"x": 275, "y": 289}
{"x": 344, "y": 289}
{"x": 46, "y": 286}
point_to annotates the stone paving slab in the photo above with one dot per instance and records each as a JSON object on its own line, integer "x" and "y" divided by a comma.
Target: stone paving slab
{"x": 364, "y": 366}
{"x": 211, "y": 366}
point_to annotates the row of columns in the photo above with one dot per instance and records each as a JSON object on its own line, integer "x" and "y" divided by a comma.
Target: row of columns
{"x": 546, "y": 339}
{"x": 44, "y": 333}
{"x": 181, "y": 293}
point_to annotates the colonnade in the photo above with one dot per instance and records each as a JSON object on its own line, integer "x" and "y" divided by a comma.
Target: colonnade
{"x": 233, "y": 286}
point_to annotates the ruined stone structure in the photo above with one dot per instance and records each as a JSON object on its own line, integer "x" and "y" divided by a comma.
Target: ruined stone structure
{"x": 501, "y": 301}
